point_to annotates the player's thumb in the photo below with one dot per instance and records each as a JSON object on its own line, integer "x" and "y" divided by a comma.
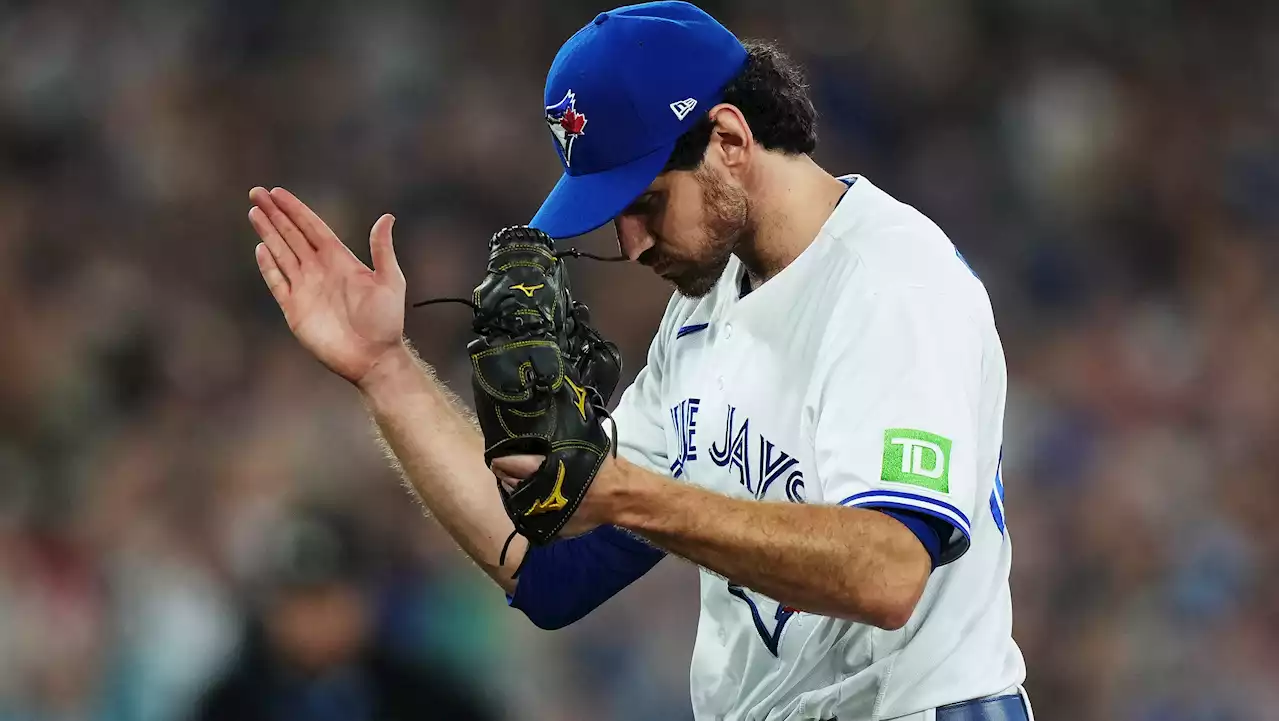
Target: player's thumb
{"x": 381, "y": 250}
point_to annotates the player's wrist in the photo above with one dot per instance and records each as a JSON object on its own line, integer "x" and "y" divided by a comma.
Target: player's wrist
{"x": 630, "y": 494}
{"x": 388, "y": 371}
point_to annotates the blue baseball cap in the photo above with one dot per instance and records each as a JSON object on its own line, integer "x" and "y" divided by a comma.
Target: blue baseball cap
{"x": 619, "y": 94}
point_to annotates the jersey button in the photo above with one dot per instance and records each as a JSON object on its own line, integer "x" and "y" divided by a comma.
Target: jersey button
{"x": 720, "y": 382}
{"x": 728, "y": 332}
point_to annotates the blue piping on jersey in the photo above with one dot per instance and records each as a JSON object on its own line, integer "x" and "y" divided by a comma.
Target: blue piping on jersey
{"x": 691, "y": 329}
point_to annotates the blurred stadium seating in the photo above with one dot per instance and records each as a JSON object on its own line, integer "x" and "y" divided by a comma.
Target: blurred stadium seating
{"x": 1109, "y": 169}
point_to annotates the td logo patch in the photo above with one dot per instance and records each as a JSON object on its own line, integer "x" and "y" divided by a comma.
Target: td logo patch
{"x": 917, "y": 458}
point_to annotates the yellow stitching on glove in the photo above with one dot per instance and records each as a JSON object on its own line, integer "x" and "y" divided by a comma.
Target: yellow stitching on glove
{"x": 475, "y": 364}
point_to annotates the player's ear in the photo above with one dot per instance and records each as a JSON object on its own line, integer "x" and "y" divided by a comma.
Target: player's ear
{"x": 731, "y": 140}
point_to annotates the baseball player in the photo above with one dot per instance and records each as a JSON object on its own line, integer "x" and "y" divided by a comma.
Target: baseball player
{"x": 817, "y": 426}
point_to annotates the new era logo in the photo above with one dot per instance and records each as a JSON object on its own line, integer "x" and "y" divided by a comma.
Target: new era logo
{"x": 683, "y": 107}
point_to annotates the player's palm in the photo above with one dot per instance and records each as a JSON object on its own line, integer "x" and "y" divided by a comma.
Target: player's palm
{"x": 346, "y": 318}
{"x": 346, "y": 314}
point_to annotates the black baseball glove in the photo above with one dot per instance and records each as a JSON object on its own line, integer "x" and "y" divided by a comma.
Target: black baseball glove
{"x": 542, "y": 378}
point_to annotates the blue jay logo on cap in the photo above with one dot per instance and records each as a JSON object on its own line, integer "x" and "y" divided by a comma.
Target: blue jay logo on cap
{"x": 566, "y": 124}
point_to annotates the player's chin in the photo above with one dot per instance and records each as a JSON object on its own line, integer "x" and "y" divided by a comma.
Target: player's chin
{"x": 694, "y": 282}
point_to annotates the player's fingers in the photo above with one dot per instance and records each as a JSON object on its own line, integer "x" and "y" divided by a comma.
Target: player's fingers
{"x": 276, "y": 282}
{"x": 322, "y": 238}
{"x": 281, "y": 253}
{"x": 382, "y": 252}
{"x": 512, "y": 470}
{"x": 292, "y": 236}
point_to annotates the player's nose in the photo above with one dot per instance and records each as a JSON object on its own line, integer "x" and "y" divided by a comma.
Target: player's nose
{"x": 633, "y": 237}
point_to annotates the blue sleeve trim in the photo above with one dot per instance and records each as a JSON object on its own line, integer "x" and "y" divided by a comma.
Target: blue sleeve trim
{"x": 562, "y": 582}
{"x": 954, "y": 544}
{"x": 925, "y": 528}
{"x": 910, "y": 500}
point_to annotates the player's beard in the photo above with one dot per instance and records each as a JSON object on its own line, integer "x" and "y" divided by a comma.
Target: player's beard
{"x": 726, "y": 224}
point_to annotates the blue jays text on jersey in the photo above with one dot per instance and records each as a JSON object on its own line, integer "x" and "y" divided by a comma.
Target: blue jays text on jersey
{"x": 734, "y": 449}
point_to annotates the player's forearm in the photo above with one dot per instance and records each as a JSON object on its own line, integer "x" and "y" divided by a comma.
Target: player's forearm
{"x": 843, "y": 562}
{"x": 440, "y": 454}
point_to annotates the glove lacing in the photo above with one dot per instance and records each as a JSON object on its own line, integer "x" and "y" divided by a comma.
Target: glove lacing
{"x": 486, "y": 321}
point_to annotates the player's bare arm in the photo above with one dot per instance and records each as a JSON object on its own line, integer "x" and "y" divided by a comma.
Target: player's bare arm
{"x": 351, "y": 318}
{"x": 844, "y": 562}
{"x": 850, "y": 563}
{"x": 441, "y": 455}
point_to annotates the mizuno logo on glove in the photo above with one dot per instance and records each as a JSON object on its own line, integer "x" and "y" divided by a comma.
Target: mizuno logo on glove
{"x": 527, "y": 289}
{"x": 580, "y": 397}
{"x": 554, "y": 501}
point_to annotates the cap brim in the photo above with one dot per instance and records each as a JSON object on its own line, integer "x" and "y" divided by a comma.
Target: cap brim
{"x": 581, "y": 203}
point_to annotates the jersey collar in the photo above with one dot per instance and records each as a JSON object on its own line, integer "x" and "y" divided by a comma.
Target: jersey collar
{"x": 744, "y": 280}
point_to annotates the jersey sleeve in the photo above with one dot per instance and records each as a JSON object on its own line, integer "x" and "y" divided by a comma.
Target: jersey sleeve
{"x": 895, "y": 422}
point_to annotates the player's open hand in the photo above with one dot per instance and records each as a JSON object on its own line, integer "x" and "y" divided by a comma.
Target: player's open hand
{"x": 347, "y": 315}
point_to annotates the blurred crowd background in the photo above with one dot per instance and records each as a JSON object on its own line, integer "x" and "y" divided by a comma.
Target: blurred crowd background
{"x": 195, "y": 515}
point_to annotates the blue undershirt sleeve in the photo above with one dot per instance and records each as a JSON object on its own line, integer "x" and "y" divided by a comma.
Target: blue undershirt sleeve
{"x": 559, "y": 583}
{"x": 929, "y": 529}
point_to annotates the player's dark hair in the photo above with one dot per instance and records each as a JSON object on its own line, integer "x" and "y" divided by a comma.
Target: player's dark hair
{"x": 774, "y": 99}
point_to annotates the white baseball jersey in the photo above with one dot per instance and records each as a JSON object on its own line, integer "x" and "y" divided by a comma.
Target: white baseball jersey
{"x": 866, "y": 373}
